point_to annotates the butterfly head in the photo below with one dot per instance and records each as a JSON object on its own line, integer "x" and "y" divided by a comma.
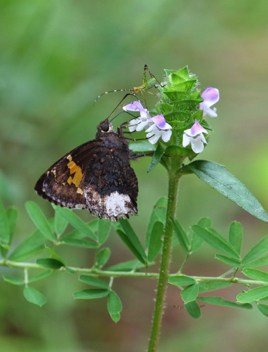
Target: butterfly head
{"x": 105, "y": 127}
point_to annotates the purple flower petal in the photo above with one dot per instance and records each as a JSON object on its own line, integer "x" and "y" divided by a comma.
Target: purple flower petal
{"x": 195, "y": 129}
{"x": 194, "y": 136}
{"x": 160, "y": 122}
{"x": 211, "y": 96}
{"x": 133, "y": 106}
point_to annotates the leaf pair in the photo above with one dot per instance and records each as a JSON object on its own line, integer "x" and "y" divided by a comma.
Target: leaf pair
{"x": 154, "y": 234}
{"x": 114, "y": 304}
{"x": 131, "y": 240}
{"x": 191, "y": 292}
{"x": 182, "y": 237}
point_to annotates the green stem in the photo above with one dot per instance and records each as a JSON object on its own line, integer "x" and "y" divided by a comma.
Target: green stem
{"x": 105, "y": 273}
{"x": 165, "y": 262}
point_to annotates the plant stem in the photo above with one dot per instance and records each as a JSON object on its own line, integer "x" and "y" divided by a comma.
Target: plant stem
{"x": 115, "y": 274}
{"x": 165, "y": 262}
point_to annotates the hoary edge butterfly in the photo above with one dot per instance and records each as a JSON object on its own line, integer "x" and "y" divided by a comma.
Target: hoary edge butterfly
{"x": 96, "y": 176}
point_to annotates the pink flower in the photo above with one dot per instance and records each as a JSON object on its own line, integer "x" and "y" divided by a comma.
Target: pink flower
{"x": 159, "y": 129}
{"x": 195, "y": 137}
{"x": 141, "y": 122}
{"x": 211, "y": 96}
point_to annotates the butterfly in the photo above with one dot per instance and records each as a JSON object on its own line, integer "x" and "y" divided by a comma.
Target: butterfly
{"x": 96, "y": 176}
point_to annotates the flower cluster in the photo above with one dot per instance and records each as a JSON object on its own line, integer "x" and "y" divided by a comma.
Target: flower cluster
{"x": 156, "y": 126}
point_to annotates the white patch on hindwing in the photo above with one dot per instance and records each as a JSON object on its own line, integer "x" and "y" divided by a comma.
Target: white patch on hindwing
{"x": 109, "y": 206}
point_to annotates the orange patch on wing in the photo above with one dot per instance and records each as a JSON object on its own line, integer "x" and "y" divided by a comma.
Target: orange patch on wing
{"x": 70, "y": 180}
{"x": 76, "y": 170}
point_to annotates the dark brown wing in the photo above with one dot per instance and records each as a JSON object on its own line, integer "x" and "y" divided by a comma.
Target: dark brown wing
{"x": 62, "y": 183}
{"x": 110, "y": 186}
{"x": 95, "y": 177}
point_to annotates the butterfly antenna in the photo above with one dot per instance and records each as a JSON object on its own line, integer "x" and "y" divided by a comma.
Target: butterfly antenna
{"x": 119, "y": 105}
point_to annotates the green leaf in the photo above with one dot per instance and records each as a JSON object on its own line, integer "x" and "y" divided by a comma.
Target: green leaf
{"x": 104, "y": 229}
{"x": 142, "y": 147}
{"x": 4, "y": 225}
{"x": 13, "y": 280}
{"x": 131, "y": 265}
{"x": 197, "y": 241}
{"x": 156, "y": 157}
{"x": 216, "y": 241}
{"x": 75, "y": 221}
{"x": 158, "y": 214}
{"x": 256, "y": 274}
{"x": 204, "y": 222}
{"x": 181, "y": 235}
{"x": 12, "y": 216}
{"x": 156, "y": 242}
{"x": 41, "y": 276}
{"x": 91, "y": 294}
{"x": 190, "y": 293}
{"x": 50, "y": 263}
{"x": 4, "y": 248}
{"x": 130, "y": 246}
{"x": 223, "y": 302}
{"x": 55, "y": 255}
{"x": 34, "y": 296}
{"x": 102, "y": 257}
{"x": 213, "y": 286}
{"x": 60, "y": 223}
{"x": 133, "y": 239}
{"x": 75, "y": 234}
{"x": 93, "y": 281}
{"x": 257, "y": 251}
{"x": 114, "y": 306}
{"x": 193, "y": 309}
{"x": 181, "y": 280}
{"x": 253, "y": 295}
{"x": 31, "y": 246}
{"x": 228, "y": 261}
{"x": 263, "y": 308}
{"x": 94, "y": 225}
{"x": 217, "y": 177}
{"x": 236, "y": 235}
{"x": 79, "y": 243}
{"x": 264, "y": 299}
{"x": 39, "y": 220}
{"x": 255, "y": 263}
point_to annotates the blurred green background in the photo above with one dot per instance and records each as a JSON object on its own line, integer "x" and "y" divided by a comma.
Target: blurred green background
{"x": 56, "y": 57}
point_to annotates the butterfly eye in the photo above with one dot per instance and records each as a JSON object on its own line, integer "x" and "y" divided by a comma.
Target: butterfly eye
{"x": 105, "y": 127}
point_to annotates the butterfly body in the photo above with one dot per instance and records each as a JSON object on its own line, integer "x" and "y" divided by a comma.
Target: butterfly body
{"x": 96, "y": 176}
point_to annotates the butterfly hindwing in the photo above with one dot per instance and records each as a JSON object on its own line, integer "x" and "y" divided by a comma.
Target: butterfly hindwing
{"x": 111, "y": 186}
